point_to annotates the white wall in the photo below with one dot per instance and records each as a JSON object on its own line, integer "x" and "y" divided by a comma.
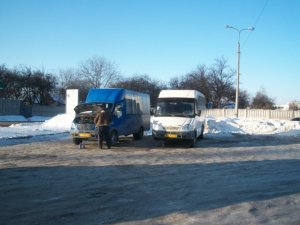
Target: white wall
{"x": 253, "y": 113}
{"x": 71, "y": 100}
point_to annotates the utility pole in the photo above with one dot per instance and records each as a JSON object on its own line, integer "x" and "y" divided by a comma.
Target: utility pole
{"x": 236, "y": 111}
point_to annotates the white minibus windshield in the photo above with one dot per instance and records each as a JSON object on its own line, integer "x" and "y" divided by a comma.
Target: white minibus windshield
{"x": 175, "y": 107}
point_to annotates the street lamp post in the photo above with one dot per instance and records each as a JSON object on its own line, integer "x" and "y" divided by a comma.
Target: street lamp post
{"x": 238, "y": 66}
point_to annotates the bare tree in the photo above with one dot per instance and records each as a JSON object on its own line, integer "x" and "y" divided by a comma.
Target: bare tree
{"x": 262, "y": 101}
{"x": 294, "y": 105}
{"x": 67, "y": 77}
{"x": 31, "y": 86}
{"x": 70, "y": 79}
{"x": 98, "y": 72}
{"x": 142, "y": 83}
{"x": 196, "y": 80}
{"x": 215, "y": 82}
{"x": 200, "y": 78}
{"x": 244, "y": 99}
{"x": 37, "y": 86}
{"x": 221, "y": 82}
{"x": 10, "y": 83}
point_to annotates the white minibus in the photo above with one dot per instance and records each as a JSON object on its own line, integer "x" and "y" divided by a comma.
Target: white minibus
{"x": 178, "y": 116}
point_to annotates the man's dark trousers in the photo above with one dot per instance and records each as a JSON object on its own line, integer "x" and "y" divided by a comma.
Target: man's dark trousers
{"x": 104, "y": 134}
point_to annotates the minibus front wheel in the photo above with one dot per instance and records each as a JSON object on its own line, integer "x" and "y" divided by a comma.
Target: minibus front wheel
{"x": 77, "y": 141}
{"x": 202, "y": 132}
{"x": 194, "y": 140}
{"x": 114, "y": 137}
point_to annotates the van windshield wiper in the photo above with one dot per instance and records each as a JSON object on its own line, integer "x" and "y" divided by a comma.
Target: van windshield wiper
{"x": 173, "y": 114}
{"x": 165, "y": 114}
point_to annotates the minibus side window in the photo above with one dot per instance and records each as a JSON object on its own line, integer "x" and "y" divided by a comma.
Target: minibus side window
{"x": 118, "y": 112}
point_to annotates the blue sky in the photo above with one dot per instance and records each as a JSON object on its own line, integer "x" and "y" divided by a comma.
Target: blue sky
{"x": 161, "y": 38}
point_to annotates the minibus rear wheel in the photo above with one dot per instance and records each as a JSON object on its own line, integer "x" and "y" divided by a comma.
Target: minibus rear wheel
{"x": 139, "y": 135}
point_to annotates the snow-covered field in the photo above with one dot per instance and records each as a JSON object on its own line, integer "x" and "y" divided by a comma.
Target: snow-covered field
{"x": 215, "y": 126}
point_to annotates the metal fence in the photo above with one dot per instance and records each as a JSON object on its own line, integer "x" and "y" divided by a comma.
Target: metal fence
{"x": 253, "y": 113}
{"x": 14, "y": 107}
{"x": 40, "y": 110}
{"x": 17, "y": 107}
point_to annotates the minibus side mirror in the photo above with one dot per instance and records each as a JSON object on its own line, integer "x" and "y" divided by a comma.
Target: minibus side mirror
{"x": 199, "y": 113}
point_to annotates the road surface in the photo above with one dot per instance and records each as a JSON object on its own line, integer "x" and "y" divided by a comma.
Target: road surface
{"x": 223, "y": 180}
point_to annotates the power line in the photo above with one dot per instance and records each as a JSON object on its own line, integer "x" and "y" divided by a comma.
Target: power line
{"x": 261, "y": 12}
{"x": 257, "y": 20}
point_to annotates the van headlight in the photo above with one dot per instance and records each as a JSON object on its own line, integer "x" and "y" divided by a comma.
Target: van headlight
{"x": 157, "y": 126}
{"x": 187, "y": 127}
{"x": 73, "y": 126}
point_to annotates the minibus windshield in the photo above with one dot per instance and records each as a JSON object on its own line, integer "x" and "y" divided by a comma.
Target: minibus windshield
{"x": 175, "y": 107}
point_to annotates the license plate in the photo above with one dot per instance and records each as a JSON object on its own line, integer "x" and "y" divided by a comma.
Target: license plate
{"x": 85, "y": 135}
{"x": 171, "y": 135}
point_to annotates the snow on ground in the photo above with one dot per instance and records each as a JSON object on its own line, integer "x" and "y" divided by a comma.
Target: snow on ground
{"x": 215, "y": 126}
{"x": 224, "y": 183}
{"x": 228, "y": 126}
{"x": 29, "y": 127}
{"x": 19, "y": 118}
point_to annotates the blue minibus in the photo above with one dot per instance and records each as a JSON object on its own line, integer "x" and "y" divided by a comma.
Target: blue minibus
{"x": 130, "y": 112}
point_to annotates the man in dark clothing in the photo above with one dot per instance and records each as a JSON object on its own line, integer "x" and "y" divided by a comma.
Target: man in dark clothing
{"x": 102, "y": 121}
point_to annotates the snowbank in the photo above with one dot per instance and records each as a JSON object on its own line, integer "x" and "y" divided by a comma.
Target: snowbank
{"x": 58, "y": 124}
{"x": 227, "y": 126}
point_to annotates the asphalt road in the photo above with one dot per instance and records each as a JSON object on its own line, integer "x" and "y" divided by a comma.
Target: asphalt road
{"x": 223, "y": 180}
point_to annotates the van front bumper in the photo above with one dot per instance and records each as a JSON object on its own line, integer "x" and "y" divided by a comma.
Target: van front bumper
{"x": 84, "y": 134}
{"x": 163, "y": 135}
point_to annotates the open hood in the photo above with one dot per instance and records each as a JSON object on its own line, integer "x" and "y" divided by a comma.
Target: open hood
{"x": 91, "y": 107}
{"x": 87, "y": 108}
